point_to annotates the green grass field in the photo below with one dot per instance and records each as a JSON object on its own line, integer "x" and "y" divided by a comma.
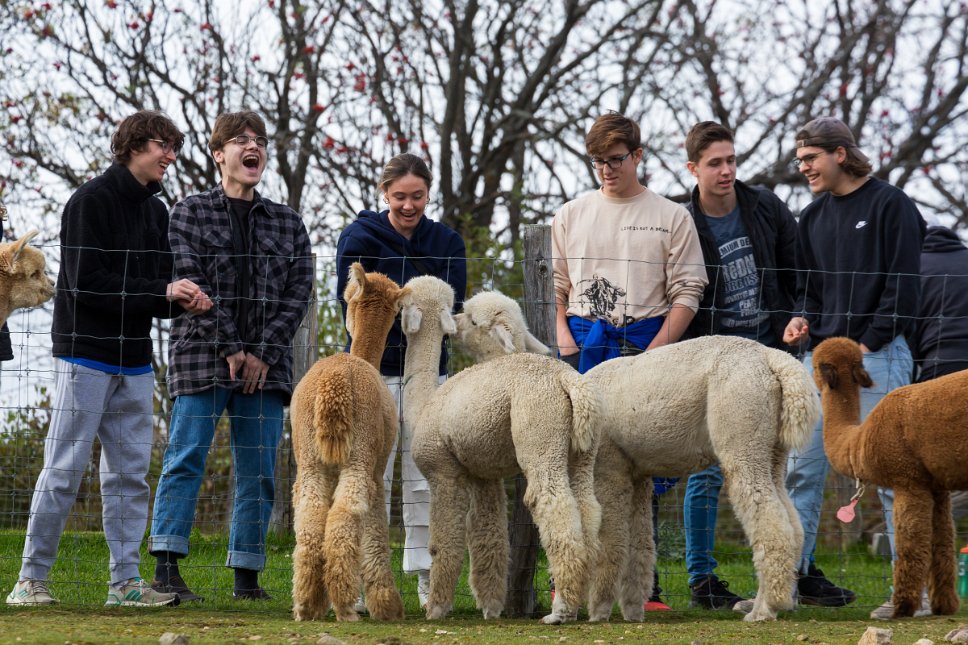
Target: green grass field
{"x": 79, "y": 580}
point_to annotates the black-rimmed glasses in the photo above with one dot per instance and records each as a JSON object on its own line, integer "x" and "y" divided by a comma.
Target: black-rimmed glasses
{"x": 244, "y": 139}
{"x": 612, "y": 162}
{"x": 807, "y": 160}
{"x": 166, "y": 146}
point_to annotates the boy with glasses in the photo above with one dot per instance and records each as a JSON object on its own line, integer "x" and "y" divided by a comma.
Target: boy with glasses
{"x": 628, "y": 268}
{"x": 858, "y": 257}
{"x": 114, "y": 278}
{"x": 748, "y": 239}
{"x": 254, "y": 255}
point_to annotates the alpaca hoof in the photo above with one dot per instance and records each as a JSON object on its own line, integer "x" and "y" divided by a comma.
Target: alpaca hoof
{"x": 757, "y": 616}
{"x": 436, "y": 612}
{"x": 556, "y": 618}
{"x": 491, "y": 613}
{"x": 300, "y": 614}
{"x": 347, "y": 616}
{"x": 945, "y": 605}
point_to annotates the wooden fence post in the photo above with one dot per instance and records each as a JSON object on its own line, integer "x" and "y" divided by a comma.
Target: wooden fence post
{"x": 305, "y": 350}
{"x": 539, "y": 310}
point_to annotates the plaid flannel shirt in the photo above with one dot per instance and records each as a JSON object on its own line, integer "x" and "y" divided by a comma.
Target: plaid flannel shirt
{"x": 280, "y": 286}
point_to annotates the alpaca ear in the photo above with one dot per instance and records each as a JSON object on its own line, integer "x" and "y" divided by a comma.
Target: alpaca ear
{"x": 532, "y": 344}
{"x": 410, "y": 318}
{"x": 9, "y": 258}
{"x": 401, "y": 296}
{"x": 503, "y": 336}
{"x": 447, "y": 322}
{"x": 861, "y": 377}
{"x": 829, "y": 374}
{"x": 358, "y": 275}
{"x": 461, "y": 321}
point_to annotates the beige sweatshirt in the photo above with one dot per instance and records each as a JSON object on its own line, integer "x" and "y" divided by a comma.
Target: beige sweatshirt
{"x": 625, "y": 259}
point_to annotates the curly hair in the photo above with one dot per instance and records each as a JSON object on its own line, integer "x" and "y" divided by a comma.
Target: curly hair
{"x": 134, "y": 131}
{"x": 231, "y": 124}
{"x": 611, "y": 129}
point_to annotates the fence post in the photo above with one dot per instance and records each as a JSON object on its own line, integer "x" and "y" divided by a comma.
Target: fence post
{"x": 305, "y": 349}
{"x": 539, "y": 310}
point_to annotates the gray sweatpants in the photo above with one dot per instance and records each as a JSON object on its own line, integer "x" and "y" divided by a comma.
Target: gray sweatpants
{"x": 118, "y": 411}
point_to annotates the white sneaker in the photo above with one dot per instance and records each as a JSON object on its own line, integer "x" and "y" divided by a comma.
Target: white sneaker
{"x": 30, "y": 591}
{"x": 886, "y": 611}
{"x": 135, "y": 592}
{"x": 423, "y": 587}
{"x": 360, "y": 606}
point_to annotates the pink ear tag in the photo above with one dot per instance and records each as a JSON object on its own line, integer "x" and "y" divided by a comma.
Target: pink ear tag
{"x": 846, "y": 513}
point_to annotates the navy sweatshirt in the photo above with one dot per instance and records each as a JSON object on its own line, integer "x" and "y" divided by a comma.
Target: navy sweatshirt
{"x": 939, "y": 342}
{"x": 858, "y": 257}
{"x": 433, "y": 249}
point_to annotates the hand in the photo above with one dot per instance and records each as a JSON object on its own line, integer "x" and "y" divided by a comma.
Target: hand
{"x": 254, "y": 373}
{"x": 797, "y": 331}
{"x": 189, "y": 295}
{"x": 235, "y": 361}
{"x": 566, "y": 342}
{"x": 865, "y": 349}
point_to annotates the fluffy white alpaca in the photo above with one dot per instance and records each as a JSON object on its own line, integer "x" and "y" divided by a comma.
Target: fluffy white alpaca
{"x": 520, "y": 413}
{"x": 675, "y": 411}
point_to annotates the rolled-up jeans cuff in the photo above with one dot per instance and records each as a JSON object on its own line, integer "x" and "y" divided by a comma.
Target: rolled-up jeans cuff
{"x": 173, "y": 543}
{"x": 243, "y": 560}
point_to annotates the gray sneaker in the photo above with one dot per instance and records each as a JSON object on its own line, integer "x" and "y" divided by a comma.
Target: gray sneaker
{"x": 30, "y": 592}
{"x": 423, "y": 587}
{"x": 886, "y": 611}
{"x": 138, "y": 593}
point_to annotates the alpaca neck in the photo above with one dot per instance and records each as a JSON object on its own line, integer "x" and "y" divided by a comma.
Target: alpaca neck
{"x": 420, "y": 373}
{"x": 369, "y": 346}
{"x": 842, "y": 430}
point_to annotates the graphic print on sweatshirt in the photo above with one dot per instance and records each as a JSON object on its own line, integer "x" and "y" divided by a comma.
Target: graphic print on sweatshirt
{"x": 603, "y": 296}
{"x": 739, "y": 280}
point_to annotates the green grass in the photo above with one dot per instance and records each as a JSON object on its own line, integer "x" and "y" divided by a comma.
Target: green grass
{"x": 79, "y": 580}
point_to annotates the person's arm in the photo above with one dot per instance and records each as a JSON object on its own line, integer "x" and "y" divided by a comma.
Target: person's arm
{"x": 685, "y": 281}
{"x": 562, "y": 283}
{"x": 456, "y": 271}
{"x": 674, "y": 325}
{"x": 786, "y": 251}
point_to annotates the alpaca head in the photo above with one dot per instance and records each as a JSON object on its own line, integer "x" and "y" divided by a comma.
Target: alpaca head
{"x": 429, "y": 299}
{"x": 23, "y": 278}
{"x": 492, "y": 325}
{"x": 372, "y": 301}
{"x": 839, "y": 362}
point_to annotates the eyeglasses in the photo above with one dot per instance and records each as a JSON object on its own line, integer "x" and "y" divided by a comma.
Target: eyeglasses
{"x": 612, "y": 162}
{"x": 244, "y": 139}
{"x": 807, "y": 160}
{"x": 166, "y": 146}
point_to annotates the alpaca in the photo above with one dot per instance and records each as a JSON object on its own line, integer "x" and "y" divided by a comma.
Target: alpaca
{"x": 344, "y": 421}
{"x": 674, "y": 411}
{"x": 23, "y": 280}
{"x": 519, "y": 413}
{"x": 913, "y": 441}
{"x": 493, "y": 325}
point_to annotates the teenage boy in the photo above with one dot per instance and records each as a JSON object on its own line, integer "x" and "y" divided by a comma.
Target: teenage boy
{"x": 114, "y": 278}
{"x": 628, "y": 267}
{"x": 858, "y": 256}
{"x": 253, "y": 255}
{"x": 748, "y": 239}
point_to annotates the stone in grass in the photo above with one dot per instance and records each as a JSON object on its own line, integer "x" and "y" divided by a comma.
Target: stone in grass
{"x": 326, "y": 639}
{"x": 876, "y": 636}
{"x": 959, "y": 635}
{"x": 171, "y": 638}
{"x": 924, "y": 641}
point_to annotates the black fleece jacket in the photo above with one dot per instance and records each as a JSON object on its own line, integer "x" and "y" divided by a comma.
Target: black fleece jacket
{"x": 773, "y": 234}
{"x": 115, "y": 268}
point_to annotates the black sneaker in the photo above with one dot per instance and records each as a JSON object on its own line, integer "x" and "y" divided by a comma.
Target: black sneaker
{"x": 251, "y": 594}
{"x": 712, "y": 593}
{"x": 176, "y": 585}
{"x": 813, "y": 588}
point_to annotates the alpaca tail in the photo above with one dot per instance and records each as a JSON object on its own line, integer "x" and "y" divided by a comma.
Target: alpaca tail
{"x": 331, "y": 418}
{"x": 800, "y": 409}
{"x": 586, "y": 408}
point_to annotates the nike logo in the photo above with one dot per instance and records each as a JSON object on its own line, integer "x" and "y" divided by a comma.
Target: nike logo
{"x": 861, "y": 224}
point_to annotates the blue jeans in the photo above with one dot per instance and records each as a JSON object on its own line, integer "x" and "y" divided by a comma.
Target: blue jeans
{"x": 890, "y": 368}
{"x": 701, "y": 505}
{"x": 255, "y": 427}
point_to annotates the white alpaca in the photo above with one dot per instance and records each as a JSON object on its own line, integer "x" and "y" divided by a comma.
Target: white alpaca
{"x": 520, "y": 413}
{"x": 675, "y": 411}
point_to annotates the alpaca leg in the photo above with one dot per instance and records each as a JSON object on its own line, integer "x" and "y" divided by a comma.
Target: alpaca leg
{"x": 913, "y": 510}
{"x": 310, "y": 507}
{"x": 449, "y": 504}
{"x": 487, "y": 541}
{"x": 943, "y": 571}
{"x": 613, "y": 489}
{"x": 344, "y": 530}
{"x": 766, "y": 522}
{"x": 780, "y": 459}
{"x": 581, "y": 473}
{"x": 638, "y": 578}
{"x": 555, "y": 512}
{"x": 382, "y": 597}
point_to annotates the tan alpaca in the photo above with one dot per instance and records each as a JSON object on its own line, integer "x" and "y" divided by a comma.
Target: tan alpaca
{"x": 521, "y": 413}
{"x": 914, "y": 441}
{"x": 23, "y": 281}
{"x": 344, "y": 421}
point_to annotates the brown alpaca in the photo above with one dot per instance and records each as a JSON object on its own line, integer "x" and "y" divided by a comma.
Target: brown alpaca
{"x": 23, "y": 281}
{"x": 344, "y": 421}
{"x": 915, "y": 441}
